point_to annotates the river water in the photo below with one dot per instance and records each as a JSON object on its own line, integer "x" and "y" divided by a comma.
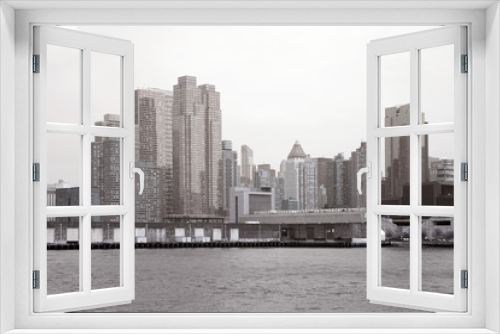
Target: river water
{"x": 252, "y": 279}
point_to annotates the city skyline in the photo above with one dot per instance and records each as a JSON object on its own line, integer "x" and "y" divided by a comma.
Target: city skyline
{"x": 262, "y": 109}
{"x": 271, "y": 78}
{"x": 155, "y": 113}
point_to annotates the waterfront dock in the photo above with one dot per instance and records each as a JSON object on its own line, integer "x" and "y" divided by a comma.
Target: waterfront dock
{"x": 229, "y": 244}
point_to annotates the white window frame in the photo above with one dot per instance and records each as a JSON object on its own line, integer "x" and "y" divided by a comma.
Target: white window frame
{"x": 85, "y": 297}
{"x": 412, "y": 44}
{"x": 484, "y": 120}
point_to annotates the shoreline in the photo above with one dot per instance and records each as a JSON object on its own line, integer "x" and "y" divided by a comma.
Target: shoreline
{"x": 244, "y": 244}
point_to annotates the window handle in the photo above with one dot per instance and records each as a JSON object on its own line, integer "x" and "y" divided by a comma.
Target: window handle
{"x": 139, "y": 171}
{"x": 368, "y": 171}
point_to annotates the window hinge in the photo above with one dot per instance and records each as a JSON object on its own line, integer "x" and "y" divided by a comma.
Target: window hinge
{"x": 36, "y": 63}
{"x": 36, "y": 279}
{"x": 465, "y": 64}
{"x": 36, "y": 172}
{"x": 464, "y": 171}
{"x": 465, "y": 279}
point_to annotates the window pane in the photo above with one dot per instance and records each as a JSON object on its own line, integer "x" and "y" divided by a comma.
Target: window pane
{"x": 63, "y": 75}
{"x": 437, "y": 84}
{"x": 437, "y": 254}
{"x": 395, "y": 252}
{"x": 63, "y": 255}
{"x": 105, "y": 164}
{"x": 63, "y": 169}
{"x": 106, "y": 92}
{"x": 395, "y": 89}
{"x": 437, "y": 169}
{"x": 106, "y": 236}
{"x": 395, "y": 169}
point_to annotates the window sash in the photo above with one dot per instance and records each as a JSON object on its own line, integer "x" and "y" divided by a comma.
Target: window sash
{"x": 413, "y": 298}
{"x": 86, "y": 297}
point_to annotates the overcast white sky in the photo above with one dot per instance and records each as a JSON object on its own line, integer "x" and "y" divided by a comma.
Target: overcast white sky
{"x": 277, "y": 84}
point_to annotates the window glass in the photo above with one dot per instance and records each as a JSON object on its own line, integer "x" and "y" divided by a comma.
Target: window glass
{"x": 437, "y": 83}
{"x": 106, "y": 89}
{"x": 105, "y": 171}
{"x": 438, "y": 169}
{"x": 106, "y": 235}
{"x": 437, "y": 254}
{"x": 64, "y": 167}
{"x": 395, "y": 89}
{"x": 63, "y": 86}
{"x": 395, "y": 169}
{"x": 63, "y": 255}
{"x": 395, "y": 252}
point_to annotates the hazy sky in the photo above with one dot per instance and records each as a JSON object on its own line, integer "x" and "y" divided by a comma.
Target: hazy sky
{"x": 277, "y": 84}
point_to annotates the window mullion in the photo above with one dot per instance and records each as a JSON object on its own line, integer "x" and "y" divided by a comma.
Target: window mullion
{"x": 85, "y": 249}
{"x": 414, "y": 169}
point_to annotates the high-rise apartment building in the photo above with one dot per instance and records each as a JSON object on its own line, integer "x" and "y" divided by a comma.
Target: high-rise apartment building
{"x": 154, "y": 153}
{"x": 197, "y": 148}
{"x": 264, "y": 176}
{"x": 105, "y": 166}
{"x": 325, "y": 180}
{"x": 309, "y": 184}
{"x": 210, "y": 100}
{"x": 247, "y": 167}
{"x": 268, "y": 168}
{"x": 300, "y": 178}
{"x": 397, "y": 155}
{"x": 229, "y": 171}
{"x": 340, "y": 175}
{"x": 279, "y": 191}
{"x": 358, "y": 161}
{"x": 263, "y": 179}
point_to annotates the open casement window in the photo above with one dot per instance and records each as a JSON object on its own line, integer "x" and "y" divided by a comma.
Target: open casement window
{"x": 417, "y": 100}
{"x": 78, "y": 204}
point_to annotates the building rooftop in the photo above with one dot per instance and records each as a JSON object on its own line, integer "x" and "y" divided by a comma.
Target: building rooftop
{"x": 297, "y": 151}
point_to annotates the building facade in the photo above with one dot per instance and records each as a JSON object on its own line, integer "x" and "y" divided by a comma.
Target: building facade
{"x": 300, "y": 178}
{"x": 105, "y": 168}
{"x": 154, "y": 153}
{"x": 358, "y": 161}
{"x": 245, "y": 201}
{"x": 247, "y": 167}
{"x": 397, "y": 155}
{"x": 340, "y": 176}
{"x": 325, "y": 181}
{"x": 229, "y": 171}
{"x": 197, "y": 159}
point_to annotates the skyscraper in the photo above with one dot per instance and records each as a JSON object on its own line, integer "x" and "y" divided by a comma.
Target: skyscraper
{"x": 358, "y": 161}
{"x": 247, "y": 167}
{"x": 210, "y": 101}
{"x": 229, "y": 170}
{"x": 105, "y": 166}
{"x": 300, "y": 178}
{"x": 197, "y": 148}
{"x": 325, "y": 180}
{"x": 340, "y": 195}
{"x": 309, "y": 184}
{"x": 154, "y": 153}
{"x": 397, "y": 155}
{"x": 264, "y": 176}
